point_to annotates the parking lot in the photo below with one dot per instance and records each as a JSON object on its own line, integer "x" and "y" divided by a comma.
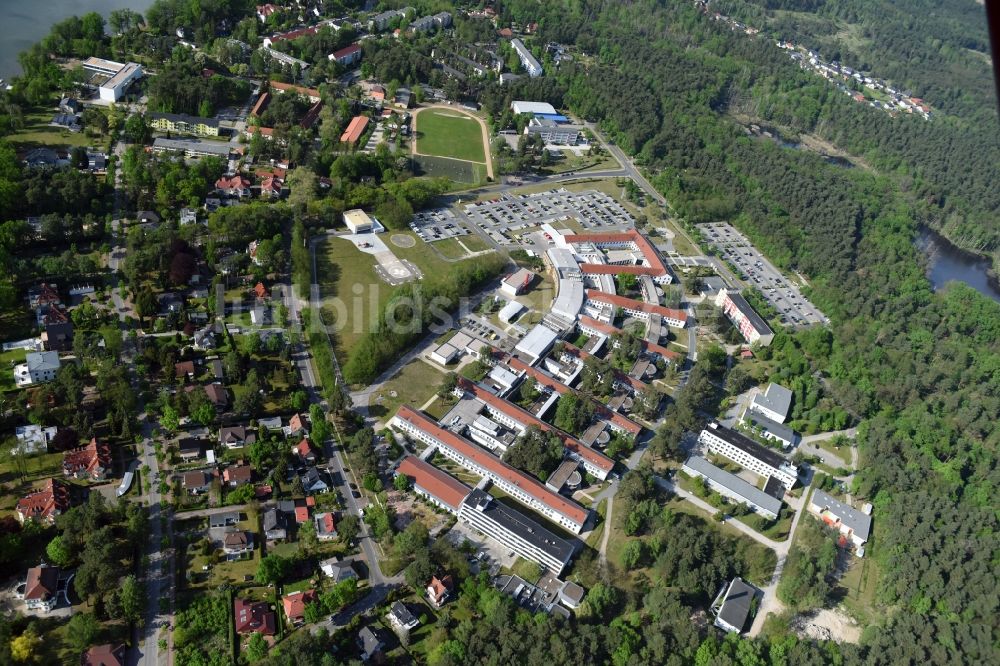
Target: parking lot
{"x": 489, "y": 552}
{"x": 508, "y": 214}
{"x": 783, "y": 295}
{"x": 435, "y": 225}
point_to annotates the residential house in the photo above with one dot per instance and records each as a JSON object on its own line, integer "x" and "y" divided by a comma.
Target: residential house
{"x": 37, "y": 367}
{"x": 313, "y": 482}
{"x": 237, "y": 543}
{"x": 92, "y": 461}
{"x": 41, "y": 588}
{"x": 295, "y": 605}
{"x": 439, "y": 590}
{"x": 347, "y": 55}
{"x": 253, "y": 616}
{"x": 148, "y": 218}
{"x": 58, "y": 333}
{"x": 34, "y": 438}
{"x": 401, "y": 618}
{"x": 260, "y": 315}
{"x": 271, "y": 187}
{"x": 273, "y": 524}
{"x": 43, "y": 505}
{"x": 235, "y": 437}
{"x": 181, "y": 123}
{"x": 297, "y": 424}
{"x": 104, "y": 655}
{"x": 43, "y": 295}
{"x": 169, "y": 302}
{"x": 188, "y": 216}
{"x": 97, "y": 162}
{"x": 196, "y": 483}
{"x": 237, "y": 475}
{"x": 189, "y": 449}
{"x": 184, "y": 370}
{"x": 204, "y": 338}
{"x": 303, "y": 453}
{"x": 217, "y": 395}
{"x": 234, "y": 186}
{"x": 299, "y": 509}
{"x": 338, "y": 570}
{"x": 270, "y": 423}
{"x": 326, "y": 526}
{"x": 263, "y": 11}
{"x": 370, "y": 644}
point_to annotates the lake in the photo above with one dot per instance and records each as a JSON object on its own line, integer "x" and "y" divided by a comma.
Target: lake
{"x": 27, "y": 22}
{"x": 946, "y": 263}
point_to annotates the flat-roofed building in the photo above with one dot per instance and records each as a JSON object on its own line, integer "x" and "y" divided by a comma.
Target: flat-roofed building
{"x": 528, "y": 61}
{"x": 517, "y": 282}
{"x": 119, "y": 76}
{"x": 439, "y": 487}
{"x": 487, "y": 432}
{"x": 774, "y": 403}
{"x": 751, "y": 325}
{"x": 537, "y": 343}
{"x": 567, "y": 469}
{"x": 522, "y": 487}
{"x": 510, "y": 311}
{"x": 514, "y": 530}
{"x": 732, "y": 606}
{"x": 192, "y": 147}
{"x": 543, "y": 108}
{"x": 358, "y": 221}
{"x": 733, "y": 487}
{"x": 745, "y": 452}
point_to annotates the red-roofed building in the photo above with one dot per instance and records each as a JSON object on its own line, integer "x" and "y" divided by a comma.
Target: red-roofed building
{"x": 295, "y": 605}
{"x": 439, "y": 487}
{"x": 271, "y": 187}
{"x": 297, "y": 424}
{"x": 41, "y": 588}
{"x": 184, "y": 370}
{"x": 617, "y": 421}
{"x": 439, "y": 589}
{"x": 279, "y": 88}
{"x": 377, "y": 93}
{"x": 354, "y": 130}
{"x": 291, "y": 34}
{"x": 303, "y": 452}
{"x": 506, "y": 33}
{"x": 43, "y": 505}
{"x": 347, "y": 55}
{"x": 251, "y": 616}
{"x": 509, "y": 414}
{"x": 104, "y": 655}
{"x": 263, "y": 11}
{"x": 301, "y": 514}
{"x": 259, "y": 290}
{"x": 237, "y": 475}
{"x": 92, "y": 461}
{"x": 522, "y": 487}
{"x": 261, "y": 104}
{"x": 653, "y": 266}
{"x": 326, "y": 526}
{"x": 266, "y": 132}
{"x": 591, "y": 326}
{"x": 311, "y": 116}
{"x": 639, "y": 309}
{"x": 234, "y": 186}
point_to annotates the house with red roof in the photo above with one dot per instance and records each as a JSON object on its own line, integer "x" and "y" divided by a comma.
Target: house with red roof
{"x": 326, "y": 526}
{"x": 303, "y": 452}
{"x": 347, "y": 55}
{"x": 253, "y": 616}
{"x": 234, "y": 186}
{"x": 43, "y": 505}
{"x": 271, "y": 187}
{"x": 237, "y": 475}
{"x": 104, "y": 655}
{"x": 92, "y": 461}
{"x": 439, "y": 590}
{"x": 354, "y": 130}
{"x": 437, "y": 486}
{"x": 41, "y": 588}
{"x": 294, "y": 605}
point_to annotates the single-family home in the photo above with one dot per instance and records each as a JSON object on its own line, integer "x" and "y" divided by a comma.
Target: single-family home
{"x": 217, "y": 395}
{"x": 303, "y": 453}
{"x": 296, "y": 425}
{"x": 189, "y": 449}
{"x": 184, "y": 370}
{"x": 439, "y": 590}
{"x": 273, "y": 523}
{"x": 34, "y": 438}
{"x": 237, "y": 475}
{"x": 237, "y": 543}
{"x": 253, "y": 616}
{"x": 57, "y": 335}
{"x": 41, "y": 588}
{"x": 204, "y": 338}
{"x": 326, "y": 526}
{"x": 235, "y": 437}
{"x": 104, "y": 655}
{"x": 313, "y": 482}
{"x": 370, "y": 644}
{"x": 37, "y": 367}
{"x": 401, "y": 618}
{"x": 225, "y": 519}
{"x": 234, "y": 186}
{"x": 295, "y": 605}
{"x": 338, "y": 570}
{"x": 196, "y": 483}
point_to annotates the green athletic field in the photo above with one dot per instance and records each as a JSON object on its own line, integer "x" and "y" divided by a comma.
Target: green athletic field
{"x": 449, "y": 134}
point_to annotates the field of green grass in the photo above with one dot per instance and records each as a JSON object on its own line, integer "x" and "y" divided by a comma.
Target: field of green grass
{"x": 449, "y": 134}
{"x": 413, "y": 385}
{"x": 460, "y": 172}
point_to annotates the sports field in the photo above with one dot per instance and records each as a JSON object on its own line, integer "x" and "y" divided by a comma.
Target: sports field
{"x": 459, "y": 171}
{"x": 448, "y": 133}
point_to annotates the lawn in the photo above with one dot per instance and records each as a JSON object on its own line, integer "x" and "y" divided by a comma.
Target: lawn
{"x": 413, "y": 385}
{"x": 446, "y": 133}
{"x": 37, "y": 132}
{"x": 461, "y": 172}
{"x": 450, "y": 248}
{"x": 858, "y": 586}
{"x": 841, "y": 455}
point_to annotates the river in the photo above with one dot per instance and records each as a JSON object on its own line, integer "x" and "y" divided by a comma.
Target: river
{"x": 946, "y": 263}
{"x": 25, "y": 23}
